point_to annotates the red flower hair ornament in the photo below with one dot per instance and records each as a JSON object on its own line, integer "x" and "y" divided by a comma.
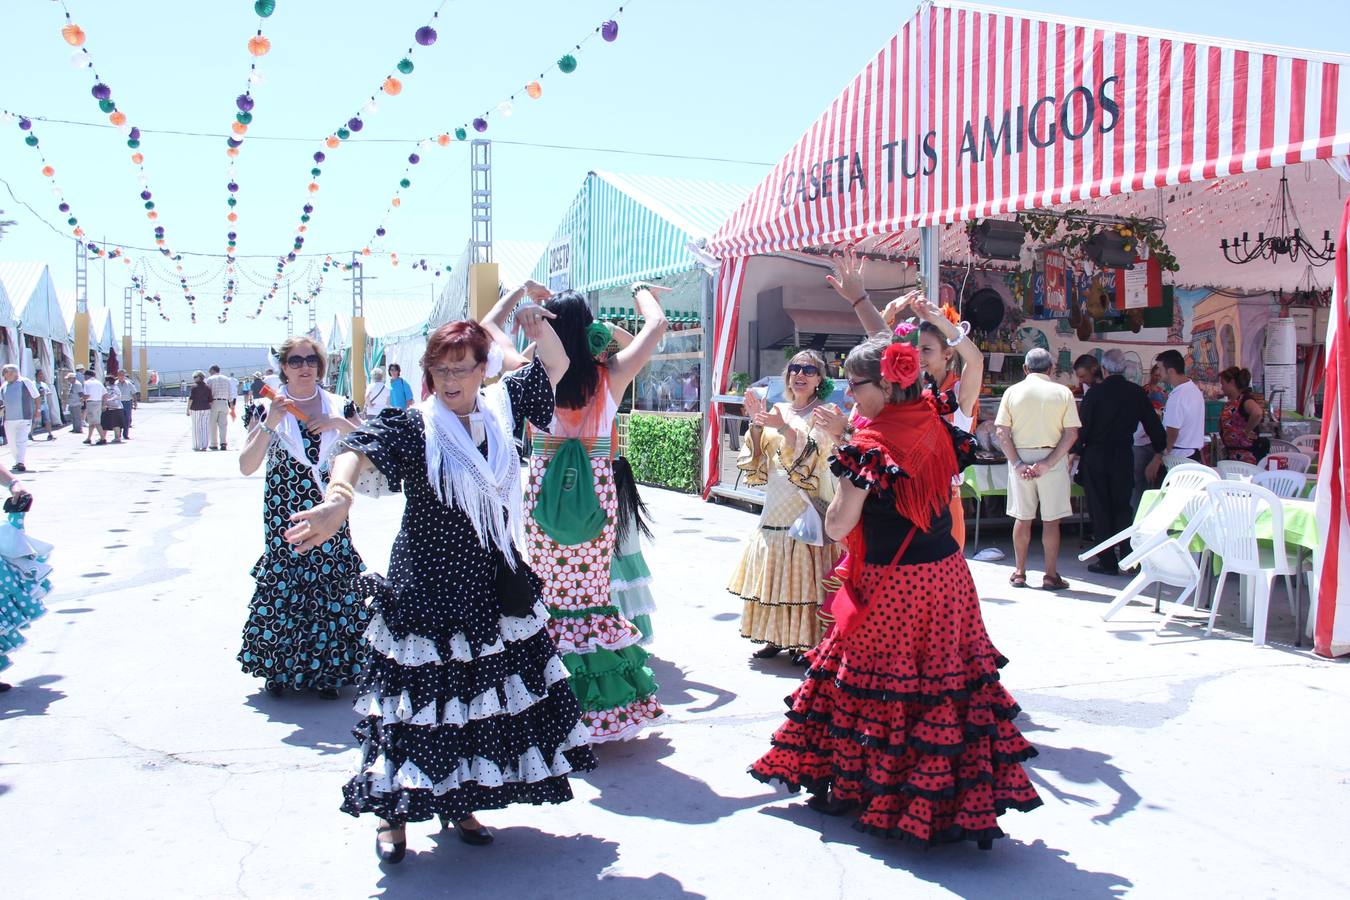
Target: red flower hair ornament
{"x": 900, "y": 361}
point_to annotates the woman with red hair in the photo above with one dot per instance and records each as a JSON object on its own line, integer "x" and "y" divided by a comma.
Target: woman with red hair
{"x": 901, "y": 717}
{"x": 465, "y": 702}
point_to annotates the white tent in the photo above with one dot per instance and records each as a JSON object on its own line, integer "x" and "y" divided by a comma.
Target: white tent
{"x": 42, "y": 325}
{"x": 13, "y": 285}
{"x": 515, "y": 261}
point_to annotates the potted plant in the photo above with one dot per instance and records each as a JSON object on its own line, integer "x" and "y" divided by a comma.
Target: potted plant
{"x": 739, "y": 382}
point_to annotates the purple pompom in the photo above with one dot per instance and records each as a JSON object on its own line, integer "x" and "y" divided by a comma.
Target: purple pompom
{"x": 145, "y": 195}
{"x": 426, "y": 35}
{"x": 231, "y": 187}
{"x": 64, "y": 207}
{"x": 480, "y": 125}
{"x": 134, "y": 134}
{"x": 414, "y": 159}
{"x": 101, "y": 91}
{"x": 319, "y": 157}
{"x": 379, "y": 232}
{"x": 25, "y": 124}
{"x": 244, "y": 102}
{"x": 610, "y": 30}
{"x": 355, "y": 124}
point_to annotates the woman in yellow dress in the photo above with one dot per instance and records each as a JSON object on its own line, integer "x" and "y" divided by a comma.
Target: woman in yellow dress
{"x": 779, "y": 578}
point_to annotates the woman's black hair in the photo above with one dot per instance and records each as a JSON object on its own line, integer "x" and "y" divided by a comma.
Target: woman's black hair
{"x": 573, "y": 313}
{"x": 631, "y": 508}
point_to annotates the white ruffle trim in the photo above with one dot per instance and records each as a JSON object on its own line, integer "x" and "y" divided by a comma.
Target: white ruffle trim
{"x": 617, "y": 584}
{"x": 530, "y": 768}
{"x": 511, "y": 698}
{"x": 415, "y": 650}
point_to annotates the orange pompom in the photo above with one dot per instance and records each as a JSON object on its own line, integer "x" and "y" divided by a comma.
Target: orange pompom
{"x": 259, "y": 45}
{"x": 535, "y": 90}
{"x": 232, "y": 217}
{"x": 313, "y": 187}
{"x": 396, "y": 202}
{"x": 303, "y": 228}
{"x": 232, "y": 152}
{"x": 117, "y": 117}
{"x": 152, "y": 215}
{"x": 137, "y": 158}
{"x": 332, "y": 141}
{"x": 392, "y": 86}
{"x": 159, "y": 242}
{"x": 126, "y": 260}
{"x": 365, "y": 251}
{"x": 48, "y": 171}
{"x": 73, "y": 34}
{"x": 78, "y": 232}
{"x": 239, "y": 128}
{"x": 443, "y": 140}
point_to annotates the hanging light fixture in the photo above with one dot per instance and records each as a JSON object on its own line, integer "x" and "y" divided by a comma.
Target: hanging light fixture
{"x": 1287, "y": 241}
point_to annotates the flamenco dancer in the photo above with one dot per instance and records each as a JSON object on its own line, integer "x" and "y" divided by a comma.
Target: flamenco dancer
{"x": 779, "y": 578}
{"x": 303, "y": 631}
{"x": 571, "y": 527}
{"x": 901, "y": 719}
{"x": 23, "y": 573}
{"x": 465, "y": 702}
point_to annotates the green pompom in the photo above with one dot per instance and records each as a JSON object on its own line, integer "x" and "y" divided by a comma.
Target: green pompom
{"x": 315, "y": 171}
{"x": 264, "y": 8}
{"x": 568, "y": 64}
{"x": 107, "y": 105}
{"x": 244, "y": 117}
{"x": 31, "y": 140}
{"x": 343, "y": 134}
{"x": 460, "y": 134}
{"x": 404, "y": 183}
{"x": 405, "y": 66}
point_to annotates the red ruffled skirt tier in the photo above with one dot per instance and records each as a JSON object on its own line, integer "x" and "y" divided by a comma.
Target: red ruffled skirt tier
{"x": 905, "y": 715}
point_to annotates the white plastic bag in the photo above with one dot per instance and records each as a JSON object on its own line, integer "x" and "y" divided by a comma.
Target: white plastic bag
{"x": 809, "y": 527}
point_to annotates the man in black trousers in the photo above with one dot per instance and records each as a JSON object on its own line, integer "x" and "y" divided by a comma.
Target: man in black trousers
{"x": 1111, "y": 412}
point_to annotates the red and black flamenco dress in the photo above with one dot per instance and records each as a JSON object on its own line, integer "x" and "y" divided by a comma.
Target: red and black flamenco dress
{"x": 902, "y": 712}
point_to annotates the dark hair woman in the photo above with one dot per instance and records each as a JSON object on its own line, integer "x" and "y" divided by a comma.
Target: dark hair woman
{"x": 303, "y": 631}
{"x": 571, "y": 527}
{"x": 1240, "y": 416}
{"x": 906, "y": 682}
{"x": 465, "y": 701}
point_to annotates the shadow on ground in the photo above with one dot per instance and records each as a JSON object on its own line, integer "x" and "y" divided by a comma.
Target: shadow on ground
{"x": 524, "y": 862}
{"x": 30, "y": 698}
{"x": 678, "y": 690}
{"x": 323, "y": 725}
{"x": 667, "y": 794}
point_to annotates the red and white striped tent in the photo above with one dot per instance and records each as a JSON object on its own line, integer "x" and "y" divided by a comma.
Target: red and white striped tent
{"x": 972, "y": 111}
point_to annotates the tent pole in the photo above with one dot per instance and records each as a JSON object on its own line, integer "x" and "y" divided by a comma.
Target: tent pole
{"x": 929, "y": 261}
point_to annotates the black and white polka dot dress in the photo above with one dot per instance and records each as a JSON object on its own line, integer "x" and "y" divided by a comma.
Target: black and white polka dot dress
{"x": 306, "y": 618}
{"x": 463, "y": 708}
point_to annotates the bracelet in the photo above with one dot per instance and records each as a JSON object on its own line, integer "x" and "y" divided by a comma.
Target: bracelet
{"x": 340, "y": 489}
{"x": 263, "y": 426}
{"x": 855, "y": 303}
{"x": 965, "y": 333}
{"x": 642, "y": 286}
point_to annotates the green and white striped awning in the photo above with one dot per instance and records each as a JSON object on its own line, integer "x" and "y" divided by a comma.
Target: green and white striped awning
{"x": 626, "y": 228}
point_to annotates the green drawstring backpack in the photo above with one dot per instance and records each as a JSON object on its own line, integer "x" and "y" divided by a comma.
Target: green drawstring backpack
{"x": 568, "y": 510}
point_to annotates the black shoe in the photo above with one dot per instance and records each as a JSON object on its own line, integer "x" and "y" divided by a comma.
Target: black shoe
{"x": 799, "y": 659}
{"x": 4, "y": 687}
{"x": 985, "y": 844}
{"x": 100, "y": 442}
{"x": 476, "y": 837}
{"x": 274, "y": 688}
{"x": 215, "y": 448}
{"x": 223, "y": 447}
{"x": 1102, "y": 569}
{"x": 329, "y": 693}
{"x": 768, "y": 651}
{"x": 397, "y": 849}
{"x": 824, "y": 803}
{"x": 18, "y": 467}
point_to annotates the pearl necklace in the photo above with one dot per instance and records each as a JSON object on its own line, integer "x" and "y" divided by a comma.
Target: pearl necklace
{"x": 303, "y": 399}
{"x": 799, "y": 410}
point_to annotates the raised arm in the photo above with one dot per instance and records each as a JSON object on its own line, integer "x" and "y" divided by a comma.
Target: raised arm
{"x": 847, "y": 281}
{"x": 626, "y": 364}
{"x": 494, "y": 323}
{"x": 547, "y": 348}
{"x": 972, "y": 368}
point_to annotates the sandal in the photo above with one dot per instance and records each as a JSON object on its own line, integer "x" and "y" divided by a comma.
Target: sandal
{"x": 1018, "y": 579}
{"x": 1053, "y": 583}
{"x": 768, "y": 651}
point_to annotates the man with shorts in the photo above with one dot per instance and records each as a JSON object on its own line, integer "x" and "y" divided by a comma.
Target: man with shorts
{"x": 1037, "y": 424}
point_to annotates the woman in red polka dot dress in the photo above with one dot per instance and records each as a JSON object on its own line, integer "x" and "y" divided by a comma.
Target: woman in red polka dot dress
{"x": 902, "y": 719}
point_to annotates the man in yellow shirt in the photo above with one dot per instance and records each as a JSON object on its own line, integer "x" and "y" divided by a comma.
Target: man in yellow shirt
{"x": 1037, "y": 424}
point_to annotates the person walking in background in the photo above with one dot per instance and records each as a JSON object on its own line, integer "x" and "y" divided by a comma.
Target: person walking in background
{"x": 1240, "y": 418}
{"x": 111, "y": 417}
{"x": 1037, "y": 424}
{"x": 377, "y": 395}
{"x": 126, "y": 396}
{"x": 20, "y": 397}
{"x": 223, "y": 393}
{"x": 1184, "y": 416}
{"x": 1111, "y": 412}
{"x": 44, "y": 415}
{"x": 255, "y": 386}
{"x": 199, "y": 410}
{"x": 400, "y": 394}
{"x": 93, "y": 408}
{"x": 74, "y": 385}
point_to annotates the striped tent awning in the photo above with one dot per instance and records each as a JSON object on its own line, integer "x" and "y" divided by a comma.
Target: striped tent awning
{"x": 626, "y": 228}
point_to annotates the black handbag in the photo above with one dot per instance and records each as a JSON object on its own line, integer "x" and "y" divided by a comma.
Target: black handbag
{"x": 18, "y": 504}
{"x": 517, "y": 589}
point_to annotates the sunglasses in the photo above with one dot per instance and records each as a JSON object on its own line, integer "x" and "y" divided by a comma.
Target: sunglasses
{"x": 459, "y": 373}
{"x": 854, "y": 385}
{"x": 299, "y": 362}
{"x": 806, "y": 369}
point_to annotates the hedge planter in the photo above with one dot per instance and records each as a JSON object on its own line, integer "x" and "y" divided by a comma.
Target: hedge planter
{"x": 665, "y": 451}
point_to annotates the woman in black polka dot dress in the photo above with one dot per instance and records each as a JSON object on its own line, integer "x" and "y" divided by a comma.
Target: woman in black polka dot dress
{"x": 465, "y": 703}
{"x": 306, "y": 618}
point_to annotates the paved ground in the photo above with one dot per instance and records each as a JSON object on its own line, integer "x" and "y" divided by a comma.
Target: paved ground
{"x": 137, "y": 761}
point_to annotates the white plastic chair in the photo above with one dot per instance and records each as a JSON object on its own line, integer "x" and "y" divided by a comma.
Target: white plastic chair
{"x": 1292, "y": 461}
{"x": 1171, "y": 460}
{"x": 1236, "y": 470}
{"x": 1231, "y": 534}
{"x": 1282, "y": 482}
{"x": 1310, "y": 444}
{"x": 1279, "y": 446}
{"x": 1162, "y": 558}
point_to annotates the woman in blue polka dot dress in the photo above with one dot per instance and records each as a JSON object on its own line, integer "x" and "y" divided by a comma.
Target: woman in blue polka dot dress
{"x": 23, "y": 573}
{"x": 307, "y": 615}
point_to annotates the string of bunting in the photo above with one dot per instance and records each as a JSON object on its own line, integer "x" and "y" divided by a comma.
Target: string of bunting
{"x": 48, "y": 170}
{"x": 608, "y": 31}
{"x": 138, "y": 285}
{"x": 391, "y": 86}
{"x": 258, "y": 47}
{"x": 74, "y": 35}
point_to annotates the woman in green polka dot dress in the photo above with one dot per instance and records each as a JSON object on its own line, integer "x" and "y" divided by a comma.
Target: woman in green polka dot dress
{"x": 23, "y": 573}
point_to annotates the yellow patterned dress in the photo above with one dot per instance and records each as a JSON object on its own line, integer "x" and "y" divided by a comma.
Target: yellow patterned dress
{"x": 779, "y": 578}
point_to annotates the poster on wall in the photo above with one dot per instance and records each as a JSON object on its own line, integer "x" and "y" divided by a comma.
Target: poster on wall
{"x": 1140, "y": 287}
{"x": 1056, "y": 283}
{"x": 560, "y": 265}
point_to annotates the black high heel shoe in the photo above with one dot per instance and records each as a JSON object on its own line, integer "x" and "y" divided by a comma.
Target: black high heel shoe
{"x": 394, "y": 855}
{"x": 768, "y": 651}
{"x": 477, "y": 837}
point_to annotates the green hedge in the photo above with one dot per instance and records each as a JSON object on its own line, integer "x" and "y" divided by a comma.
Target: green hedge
{"x": 665, "y": 451}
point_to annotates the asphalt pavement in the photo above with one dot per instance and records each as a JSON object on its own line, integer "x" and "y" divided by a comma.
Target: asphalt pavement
{"x": 136, "y": 760}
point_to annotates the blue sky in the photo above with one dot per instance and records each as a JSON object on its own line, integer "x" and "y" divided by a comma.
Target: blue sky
{"x": 739, "y": 79}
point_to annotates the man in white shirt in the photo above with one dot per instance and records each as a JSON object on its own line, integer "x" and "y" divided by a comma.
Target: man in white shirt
{"x": 93, "y": 408}
{"x": 126, "y": 393}
{"x": 1184, "y": 415}
{"x": 223, "y": 393}
{"x": 20, "y": 397}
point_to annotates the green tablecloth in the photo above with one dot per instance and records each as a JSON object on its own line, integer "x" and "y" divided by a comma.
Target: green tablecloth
{"x": 982, "y": 480}
{"x": 1300, "y": 524}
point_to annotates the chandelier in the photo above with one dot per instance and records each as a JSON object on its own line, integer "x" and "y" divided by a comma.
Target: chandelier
{"x": 1286, "y": 242}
